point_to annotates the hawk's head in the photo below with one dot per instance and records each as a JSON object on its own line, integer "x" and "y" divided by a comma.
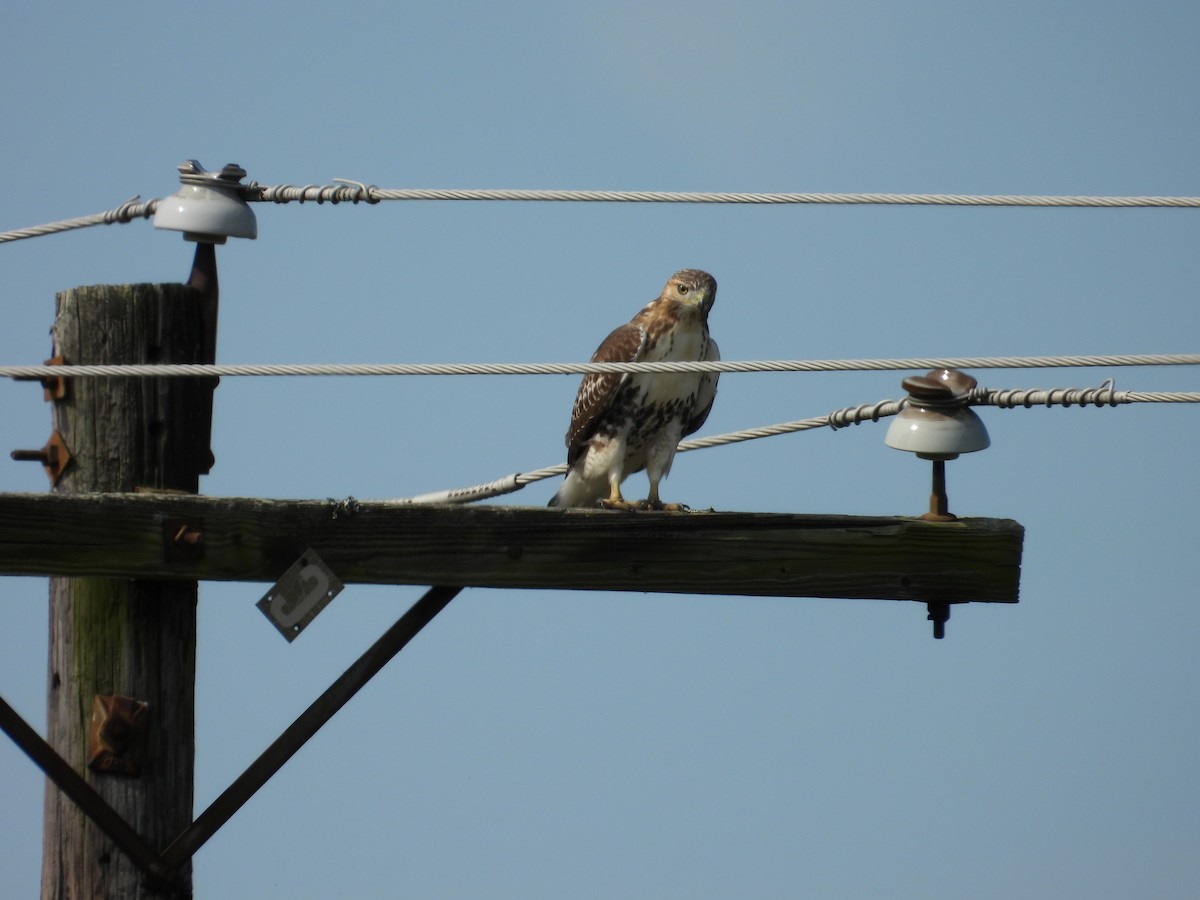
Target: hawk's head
{"x": 691, "y": 287}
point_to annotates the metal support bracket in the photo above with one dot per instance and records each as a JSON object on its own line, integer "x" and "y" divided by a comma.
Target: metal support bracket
{"x": 161, "y": 870}
{"x": 117, "y": 735}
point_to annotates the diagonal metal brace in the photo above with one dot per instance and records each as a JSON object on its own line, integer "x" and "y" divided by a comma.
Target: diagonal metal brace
{"x": 310, "y": 721}
{"x": 82, "y": 794}
{"x": 161, "y": 870}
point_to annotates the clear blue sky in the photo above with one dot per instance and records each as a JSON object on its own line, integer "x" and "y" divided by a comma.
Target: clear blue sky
{"x": 546, "y": 745}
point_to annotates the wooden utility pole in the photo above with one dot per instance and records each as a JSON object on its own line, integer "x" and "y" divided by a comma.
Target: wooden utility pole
{"x": 116, "y": 638}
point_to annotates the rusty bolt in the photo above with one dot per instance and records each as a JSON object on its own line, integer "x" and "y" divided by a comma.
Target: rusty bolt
{"x": 53, "y": 457}
{"x": 186, "y": 536}
{"x": 54, "y": 387}
{"x": 47, "y": 456}
{"x": 183, "y": 540}
{"x": 116, "y": 733}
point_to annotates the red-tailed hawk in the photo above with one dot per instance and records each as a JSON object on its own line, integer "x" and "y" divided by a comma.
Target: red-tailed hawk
{"x": 622, "y": 424}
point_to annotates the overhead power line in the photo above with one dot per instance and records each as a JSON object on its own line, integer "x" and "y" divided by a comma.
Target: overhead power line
{"x": 356, "y": 192}
{"x": 347, "y": 191}
{"x": 128, "y": 211}
{"x": 1104, "y": 395}
{"x": 728, "y": 366}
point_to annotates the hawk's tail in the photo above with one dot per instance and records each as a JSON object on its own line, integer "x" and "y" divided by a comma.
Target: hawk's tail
{"x": 574, "y": 491}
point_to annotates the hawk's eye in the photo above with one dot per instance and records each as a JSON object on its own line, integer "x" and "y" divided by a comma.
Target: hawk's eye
{"x": 683, "y": 288}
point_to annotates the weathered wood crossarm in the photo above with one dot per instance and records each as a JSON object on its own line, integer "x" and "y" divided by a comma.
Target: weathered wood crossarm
{"x": 150, "y": 536}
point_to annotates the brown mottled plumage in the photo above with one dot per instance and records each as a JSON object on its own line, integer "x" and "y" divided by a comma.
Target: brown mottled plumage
{"x": 622, "y": 424}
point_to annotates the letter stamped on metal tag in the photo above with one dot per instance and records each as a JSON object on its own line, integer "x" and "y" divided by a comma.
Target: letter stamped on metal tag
{"x": 299, "y": 595}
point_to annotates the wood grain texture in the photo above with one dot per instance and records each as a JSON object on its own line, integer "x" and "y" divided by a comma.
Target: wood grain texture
{"x": 249, "y": 539}
{"x": 116, "y": 636}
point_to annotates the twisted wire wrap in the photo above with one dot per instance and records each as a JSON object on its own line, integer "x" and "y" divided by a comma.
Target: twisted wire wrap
{"x": 128, "y": 211}
{"x": 343, "y": 190}
{"x": 1104, "y": 395}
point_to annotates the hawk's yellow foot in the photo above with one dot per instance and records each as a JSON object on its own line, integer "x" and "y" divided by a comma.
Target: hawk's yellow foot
{"x": 619, "y": 503}
{"x": 614, "y": 500}
{"x": 665, "y": 507}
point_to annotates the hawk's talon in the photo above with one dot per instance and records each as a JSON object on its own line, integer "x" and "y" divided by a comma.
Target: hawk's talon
{"x": 659, "y": 506}
{"x": 609, "y": 503}
{"x": 642, "y": 505}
